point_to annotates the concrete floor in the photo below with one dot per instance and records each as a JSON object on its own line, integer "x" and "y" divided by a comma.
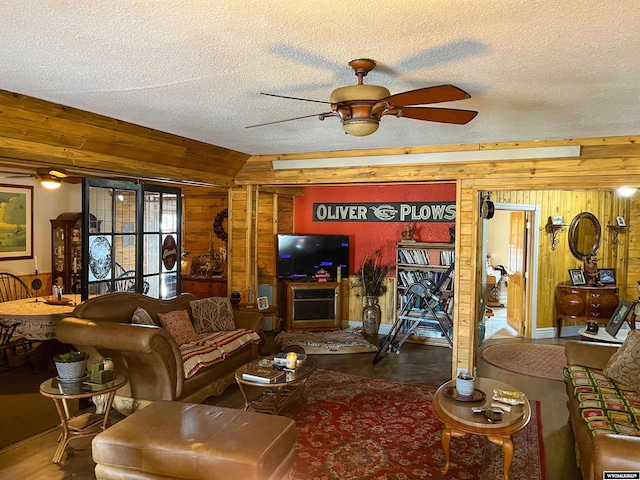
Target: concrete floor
{"x": 415, "y": 363}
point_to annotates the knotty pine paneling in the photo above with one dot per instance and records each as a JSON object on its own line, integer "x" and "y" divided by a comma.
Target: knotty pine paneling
{"x": 35, "y": 132}
{"x": 553, "y": 265}
{"x": 199, "y": 210}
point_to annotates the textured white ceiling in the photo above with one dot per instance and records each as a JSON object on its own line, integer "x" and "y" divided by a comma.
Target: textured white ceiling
{"x": 536, "y": 69}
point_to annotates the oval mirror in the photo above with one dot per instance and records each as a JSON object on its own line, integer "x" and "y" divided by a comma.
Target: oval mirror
{"x": 584, "y": 235}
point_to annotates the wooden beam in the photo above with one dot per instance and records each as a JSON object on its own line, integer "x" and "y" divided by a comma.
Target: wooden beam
{"x": 42, "y": 133}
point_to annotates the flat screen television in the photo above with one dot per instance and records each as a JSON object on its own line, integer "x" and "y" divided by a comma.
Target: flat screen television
{"x": 301, "y": 256}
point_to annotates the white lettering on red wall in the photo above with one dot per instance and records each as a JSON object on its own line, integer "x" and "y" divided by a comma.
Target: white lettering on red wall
{"x": 385, "y": 212}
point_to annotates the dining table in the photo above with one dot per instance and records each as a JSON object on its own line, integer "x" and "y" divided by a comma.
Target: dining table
{"x": 38, "y": 316}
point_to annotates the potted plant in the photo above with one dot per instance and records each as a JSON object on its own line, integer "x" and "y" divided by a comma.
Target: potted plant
{"x": 370, "y": 278}
{"x": 71, "y": 365}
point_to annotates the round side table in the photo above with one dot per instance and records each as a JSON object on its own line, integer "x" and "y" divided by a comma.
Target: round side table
{"x": 459, "y": 419}
{"x": 85, "y": 424}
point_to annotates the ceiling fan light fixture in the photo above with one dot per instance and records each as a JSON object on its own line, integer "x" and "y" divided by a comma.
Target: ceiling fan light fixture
{"x": 358, "y": 92}
{"x": 51, "y": 183}
{"x": 360, "y": 128}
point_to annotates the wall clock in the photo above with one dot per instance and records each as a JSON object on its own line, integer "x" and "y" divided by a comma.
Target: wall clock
{"x": 487, "y": 208}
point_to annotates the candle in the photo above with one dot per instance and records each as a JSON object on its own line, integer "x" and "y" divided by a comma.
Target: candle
{"x": 291, "y": 360}
{"x": 35, "y": 261}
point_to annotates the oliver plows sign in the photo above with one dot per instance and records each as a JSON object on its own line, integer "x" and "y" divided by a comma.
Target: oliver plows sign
{"x": 385, "y": 212}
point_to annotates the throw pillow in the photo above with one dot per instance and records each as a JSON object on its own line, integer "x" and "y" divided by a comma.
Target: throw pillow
{"x": 213, "y": 314}
{"x": 624, "y": 365}
{"x": 142, "y": 317}
{"x": 179, "y": 326}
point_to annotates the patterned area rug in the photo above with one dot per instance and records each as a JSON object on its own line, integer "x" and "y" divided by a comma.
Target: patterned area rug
{"x": 531, "y": 359}
{"x": 356, "y": 428}
{"x": 343, "y": 341}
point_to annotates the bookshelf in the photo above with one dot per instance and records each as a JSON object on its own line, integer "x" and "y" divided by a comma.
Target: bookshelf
{"x": 415, "y": 262}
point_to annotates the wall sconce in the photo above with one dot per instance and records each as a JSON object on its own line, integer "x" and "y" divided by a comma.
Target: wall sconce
{"x": 617, "y": 229}
{"x": 554, "y": 226}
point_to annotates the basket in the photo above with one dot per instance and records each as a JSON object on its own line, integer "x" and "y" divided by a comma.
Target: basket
{"x": 72, "y": 369}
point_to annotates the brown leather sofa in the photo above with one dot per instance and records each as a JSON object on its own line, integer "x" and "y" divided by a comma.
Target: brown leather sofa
{"x": 149, "y": 355}
{"x": 604, "y": 451}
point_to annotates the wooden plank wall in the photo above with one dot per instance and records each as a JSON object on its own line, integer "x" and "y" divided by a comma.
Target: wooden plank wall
{"x": 266, "y": 228}
{"x": 242, "y": 261}
{"x": 633, "y": 241}
{"x": 199, "y": 209}
{"x": 36, "y": 133}
{"x": 603, "y": 165}
{"x": 553, "y": 265}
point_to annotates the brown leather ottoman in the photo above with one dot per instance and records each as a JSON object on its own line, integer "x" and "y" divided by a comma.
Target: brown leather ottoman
{"x": 183, "y": 440}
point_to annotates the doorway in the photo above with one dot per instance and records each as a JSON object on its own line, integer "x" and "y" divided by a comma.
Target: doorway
{"x": 510, "y": 247}
{"x": 136, "y": 248}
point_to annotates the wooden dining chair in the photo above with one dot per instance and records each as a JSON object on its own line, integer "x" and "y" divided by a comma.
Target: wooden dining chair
{"x": 12, "y": 288}
{"x": 9, "y": 342}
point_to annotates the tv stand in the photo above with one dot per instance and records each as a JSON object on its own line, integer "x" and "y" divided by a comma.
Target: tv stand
{"x": 311, "y": 305}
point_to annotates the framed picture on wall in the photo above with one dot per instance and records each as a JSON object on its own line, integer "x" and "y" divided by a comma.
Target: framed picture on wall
{"x": 618, "y": 317}
{"x": 16, "y": 222}
{"x": 620, "y": 221}
{"x": 558, "y": 220}
{"x": 607, "y": 276}
{"x": 577, "y": 276}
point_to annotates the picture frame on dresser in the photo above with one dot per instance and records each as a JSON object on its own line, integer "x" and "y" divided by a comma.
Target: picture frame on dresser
{"x": 607, "y": 276}
{"x": 619, "y": 316}
{"x": 263, "y": 303}
{"x": 577, "y": 276}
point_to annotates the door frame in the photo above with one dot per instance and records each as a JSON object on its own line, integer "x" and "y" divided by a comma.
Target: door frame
{"x": 533, "y": 243}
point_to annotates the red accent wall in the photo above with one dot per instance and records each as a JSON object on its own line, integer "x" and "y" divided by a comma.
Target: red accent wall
{"x": 367, "y": 237}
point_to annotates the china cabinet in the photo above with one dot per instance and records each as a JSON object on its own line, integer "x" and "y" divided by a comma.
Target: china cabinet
{"x": 66, "y": 250}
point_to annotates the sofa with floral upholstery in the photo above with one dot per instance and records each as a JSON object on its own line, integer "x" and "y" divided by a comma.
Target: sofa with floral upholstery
{"x": 603, "y": 385}
{"x": 182, "y": 349}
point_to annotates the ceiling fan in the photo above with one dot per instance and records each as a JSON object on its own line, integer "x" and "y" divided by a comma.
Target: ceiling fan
{"x": 360, "y": 107}
{"x": 49, "y": 177}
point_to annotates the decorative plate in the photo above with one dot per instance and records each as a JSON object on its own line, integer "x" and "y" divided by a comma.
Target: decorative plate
{"x": 100, "y": 257}
{"x": 477, "y": 395}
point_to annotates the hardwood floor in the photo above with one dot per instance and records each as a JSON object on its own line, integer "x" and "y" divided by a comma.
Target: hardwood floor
{"x": 416, "y": 363}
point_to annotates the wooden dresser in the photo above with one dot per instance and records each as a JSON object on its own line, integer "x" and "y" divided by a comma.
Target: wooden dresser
{"x": 584, "y": 303}
{"x": 204, "y": 287}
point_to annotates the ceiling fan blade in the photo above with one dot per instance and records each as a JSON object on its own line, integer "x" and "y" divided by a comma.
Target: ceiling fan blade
{"x": 423, "y": 96}
{"x": 441, "y": 115}
{"x": 288, "y": 120}
{"x": 294, "y": 98}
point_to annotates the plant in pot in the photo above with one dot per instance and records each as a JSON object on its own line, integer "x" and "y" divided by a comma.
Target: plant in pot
{"x": 71, "y": 365}
{"x": 370, "y": 279}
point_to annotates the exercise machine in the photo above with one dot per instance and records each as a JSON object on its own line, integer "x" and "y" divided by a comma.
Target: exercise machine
{"x": 424, "y": 301}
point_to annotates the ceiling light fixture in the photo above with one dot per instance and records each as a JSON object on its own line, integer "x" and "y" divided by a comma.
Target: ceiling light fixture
{"x": 431, "y": 157}
{"x": 51, "y": 182}
{"x": 626, "y": 191}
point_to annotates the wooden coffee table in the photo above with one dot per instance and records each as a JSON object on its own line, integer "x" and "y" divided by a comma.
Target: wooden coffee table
{"x": 275, "y": 396}
{"x": 459, "y": 420}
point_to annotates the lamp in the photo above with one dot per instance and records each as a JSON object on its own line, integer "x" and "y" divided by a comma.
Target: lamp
{"x": 50, "y": 182}
{"x": 358, "y": 108}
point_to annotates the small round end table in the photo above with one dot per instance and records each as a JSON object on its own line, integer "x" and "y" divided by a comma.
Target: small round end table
{"x": 459, "y": 419}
